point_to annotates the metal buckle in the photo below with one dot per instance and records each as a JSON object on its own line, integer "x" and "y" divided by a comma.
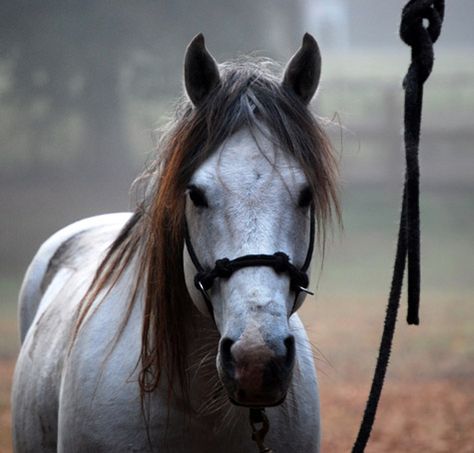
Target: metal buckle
{"x": 306, "y": 290}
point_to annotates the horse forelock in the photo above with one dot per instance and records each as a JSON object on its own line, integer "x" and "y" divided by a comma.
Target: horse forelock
{"x": 249, "y": 95}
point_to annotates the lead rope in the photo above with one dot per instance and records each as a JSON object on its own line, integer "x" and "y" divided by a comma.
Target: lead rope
{"x": 257, "y": 416}
{"x": 420, "y": 38}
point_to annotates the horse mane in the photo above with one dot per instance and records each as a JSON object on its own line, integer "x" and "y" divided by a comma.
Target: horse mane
{"x": 249, "y": 95}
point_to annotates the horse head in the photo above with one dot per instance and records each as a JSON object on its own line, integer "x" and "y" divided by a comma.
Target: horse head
{"x": 251, "y": 198}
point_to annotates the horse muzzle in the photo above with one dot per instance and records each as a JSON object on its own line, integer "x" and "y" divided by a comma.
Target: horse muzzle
{"x": 256, "y": 374}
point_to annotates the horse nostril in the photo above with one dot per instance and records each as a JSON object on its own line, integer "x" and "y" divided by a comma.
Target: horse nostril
{"x": 290, "y": 350}
{"x": 226, "y": 355}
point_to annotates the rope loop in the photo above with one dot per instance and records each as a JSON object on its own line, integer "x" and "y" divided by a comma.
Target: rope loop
{"x": 420, "y": 37}
{"x": 412, "y": 28}
{"x": 204, "y": 280}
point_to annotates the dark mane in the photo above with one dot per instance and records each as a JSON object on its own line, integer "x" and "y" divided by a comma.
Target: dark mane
{"x": 249, "y": 94}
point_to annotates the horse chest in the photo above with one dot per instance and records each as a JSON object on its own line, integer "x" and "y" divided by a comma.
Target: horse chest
{"x": 100, "y": 406}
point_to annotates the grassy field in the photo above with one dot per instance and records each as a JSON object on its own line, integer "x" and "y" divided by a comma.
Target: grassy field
{"x": 429, "y": 395}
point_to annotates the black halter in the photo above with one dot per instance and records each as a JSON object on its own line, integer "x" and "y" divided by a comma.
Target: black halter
{"x": 279, "y": 261}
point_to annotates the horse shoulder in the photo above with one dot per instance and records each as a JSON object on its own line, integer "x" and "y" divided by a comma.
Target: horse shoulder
{"x": 99, "y": 407}
{"x": 47, "y": 262}
{"x": 51, "y": 292}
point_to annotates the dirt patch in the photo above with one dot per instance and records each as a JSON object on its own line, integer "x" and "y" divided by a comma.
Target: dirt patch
{"x": 6, "y": 374}
{"x": 433, "y": 416}
{"x": 427, "y": 403}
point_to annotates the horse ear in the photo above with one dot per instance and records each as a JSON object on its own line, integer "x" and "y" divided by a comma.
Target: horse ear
{"x": 201, "y": 74}
{"x": 304, "y": 69}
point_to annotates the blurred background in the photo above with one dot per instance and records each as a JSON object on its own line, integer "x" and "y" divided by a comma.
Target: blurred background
{"x": 85, "y": 84}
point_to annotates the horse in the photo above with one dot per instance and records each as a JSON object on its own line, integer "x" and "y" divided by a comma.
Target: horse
{"x": 158, "y": 329}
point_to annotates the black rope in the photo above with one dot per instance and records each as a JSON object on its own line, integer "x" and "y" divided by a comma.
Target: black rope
{"x": 279, "y": 261}
{"x": 312, "y": 234}
{"x": 420, "y": 38}
{"x": 257, "y": 416}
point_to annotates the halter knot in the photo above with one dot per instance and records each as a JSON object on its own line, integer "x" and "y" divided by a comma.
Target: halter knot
{"x": 223, "y": 268}
{"x": 281, "y": 262}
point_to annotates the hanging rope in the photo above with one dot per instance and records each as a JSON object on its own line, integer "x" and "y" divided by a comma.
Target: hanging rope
{"x": 257, "y": 417}
{"x": 420, "y": 38}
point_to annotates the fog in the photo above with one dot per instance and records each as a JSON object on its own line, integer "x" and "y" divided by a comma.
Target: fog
{"x": 86, "y": 85}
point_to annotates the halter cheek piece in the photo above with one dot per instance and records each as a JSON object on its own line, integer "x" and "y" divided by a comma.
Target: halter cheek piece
{"x": 279, "y": 261}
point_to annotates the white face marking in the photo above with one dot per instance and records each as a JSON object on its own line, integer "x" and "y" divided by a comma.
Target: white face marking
{"x": 252, "y": 192}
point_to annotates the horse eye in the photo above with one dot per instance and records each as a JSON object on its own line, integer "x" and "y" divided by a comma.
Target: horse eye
{"x": 197, "y": 196}
{"x": 305, "y": 198}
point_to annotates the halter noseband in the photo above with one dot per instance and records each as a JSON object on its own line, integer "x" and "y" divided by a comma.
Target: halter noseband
{"x": 279, "y": 262}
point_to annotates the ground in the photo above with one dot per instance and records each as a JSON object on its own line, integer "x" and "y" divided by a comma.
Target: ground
{"x": 428, "y": 399}
{"x": 431, "y": 415}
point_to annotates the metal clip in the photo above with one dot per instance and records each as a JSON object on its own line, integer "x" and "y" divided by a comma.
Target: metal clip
{"x": 306, "y": 290}
{"x": 203, "y": 291}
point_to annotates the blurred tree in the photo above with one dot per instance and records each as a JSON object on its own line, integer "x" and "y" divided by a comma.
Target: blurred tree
{"x": 68, "y": 58}
{"x": 65, "y": 59}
